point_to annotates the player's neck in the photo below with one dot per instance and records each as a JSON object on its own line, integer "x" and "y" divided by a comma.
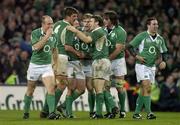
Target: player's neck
{"x": 110, "y": 27}
{"x": 152, "y": 33}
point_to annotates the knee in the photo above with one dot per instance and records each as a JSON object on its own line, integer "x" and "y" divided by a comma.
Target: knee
{"x": 30, "y": 91}
{"x": 147, "y": 88}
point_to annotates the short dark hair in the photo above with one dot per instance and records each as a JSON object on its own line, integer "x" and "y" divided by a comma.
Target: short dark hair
{"x": 99, "y": 19}
{"x": 148, "y": 21}
{"x": 112, "y": 15}
{"x": 68, "y": 11}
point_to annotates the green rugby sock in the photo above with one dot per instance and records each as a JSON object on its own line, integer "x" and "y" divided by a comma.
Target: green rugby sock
{"x": 99, "y": 103}
{"x": 45, "y": 106}
{"x": 51, "y": 102}
{"x": 27, "y": 103}
{"x": 139, "y": 104}
{"x": 69, "y": 100}
{"x": 91, "y": 101}
{"x": 109, "y": 101}
{"x": 75, "y": 95}
{"x": 147, "y": 103}
{"x": 58, "y": 94}
{"x": 121, "y": 96}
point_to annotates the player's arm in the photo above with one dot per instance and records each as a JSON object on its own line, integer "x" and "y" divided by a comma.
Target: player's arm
{"x": 162, "y": 65}
{"x": 131, "y": 50}
{"x": 164, "y": 54}
{"x": 54, "y": 60}
{"x": 80, "y": 35}
{"x": 134, "y": 44}
{"x": 40, "y": 44}
{"x": 120, "y": 39}
{"x": 74, "y": 51}
{"x": 119, "y": 48}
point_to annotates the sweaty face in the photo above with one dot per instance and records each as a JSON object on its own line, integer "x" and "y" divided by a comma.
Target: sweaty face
{"x": 73, "y": 17}
{"x": 153, "y": 26}
{"x": 86, "y": 24}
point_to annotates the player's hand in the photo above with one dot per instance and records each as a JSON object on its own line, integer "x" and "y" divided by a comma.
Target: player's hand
{"x": 81, "y": 55}
{"x": 49, "y": 32}
{"x": 162, "y": 65}
{"x": 72, "y": 29}
{"x": 141, "y": 59}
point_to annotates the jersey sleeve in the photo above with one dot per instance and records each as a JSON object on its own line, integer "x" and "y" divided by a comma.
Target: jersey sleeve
{"x": 96, "y": 35}
{"x": 34, "y": 37}
{"x": 121, "y": 36}
{"x": 136, "y": 41}
{"x": 69, "y": 38}
{"x": 163, "y": 47}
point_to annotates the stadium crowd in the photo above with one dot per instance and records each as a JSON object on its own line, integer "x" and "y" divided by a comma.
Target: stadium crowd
{"x": 19, "y": 17}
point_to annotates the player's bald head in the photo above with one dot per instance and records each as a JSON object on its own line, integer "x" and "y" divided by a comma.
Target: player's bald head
{"x": 46, "y": 19}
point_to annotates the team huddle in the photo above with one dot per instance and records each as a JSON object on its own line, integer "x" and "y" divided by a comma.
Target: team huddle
{"x": 85, "y": 54}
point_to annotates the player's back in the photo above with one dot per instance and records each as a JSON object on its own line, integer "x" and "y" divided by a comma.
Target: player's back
{"x": 62, "y": 35}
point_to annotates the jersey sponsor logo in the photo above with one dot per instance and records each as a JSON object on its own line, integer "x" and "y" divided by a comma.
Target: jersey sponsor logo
{"x": 76, "y": 46}
{"x": 145, "y": 76}
{"x": 31, "y": 77}
{"x": 84, "y": 46}
{"x": 152, "y": 50}
{"x": 47, "y": 48}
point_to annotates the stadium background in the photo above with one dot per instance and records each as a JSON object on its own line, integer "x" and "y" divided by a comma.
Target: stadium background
{"x": 19, "y": 17}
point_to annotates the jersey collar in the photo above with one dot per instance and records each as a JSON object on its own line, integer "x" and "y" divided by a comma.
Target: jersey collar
{"x": 96, "y": 29}
{"x": 66, "y": 22}
{"x": 42, "y": 32}
{"x": 151, "y": 36}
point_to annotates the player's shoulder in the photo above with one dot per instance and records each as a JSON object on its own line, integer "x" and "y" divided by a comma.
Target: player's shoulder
{"x": 142, "y": 34}
{"x": 160, "y": 37}
{"x": 57, "y": 23}
{"x": 120, "y": 29}
{"x": 36, "y": 31}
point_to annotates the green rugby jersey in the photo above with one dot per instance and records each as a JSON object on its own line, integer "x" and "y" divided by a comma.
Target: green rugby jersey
{"x": 148, "y": 47}
{"x": 42, "y": 56}
{"x": 76, "y": 45}
{"x": 116, "y": 36}
{"x": 100, "y": 44}
{"x": 86, "y": 47}
{"x": 63, "y": 35}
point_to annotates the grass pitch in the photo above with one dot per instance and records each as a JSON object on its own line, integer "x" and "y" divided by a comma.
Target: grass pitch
{"x": 15, "y": 118}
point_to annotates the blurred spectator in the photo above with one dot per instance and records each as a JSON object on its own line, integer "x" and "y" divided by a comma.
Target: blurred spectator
{"x": 22, "y": 66}
{"x": 169, "y": 96}
{"x": 4, "y": 50}
{"x": 25, "y": 44}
